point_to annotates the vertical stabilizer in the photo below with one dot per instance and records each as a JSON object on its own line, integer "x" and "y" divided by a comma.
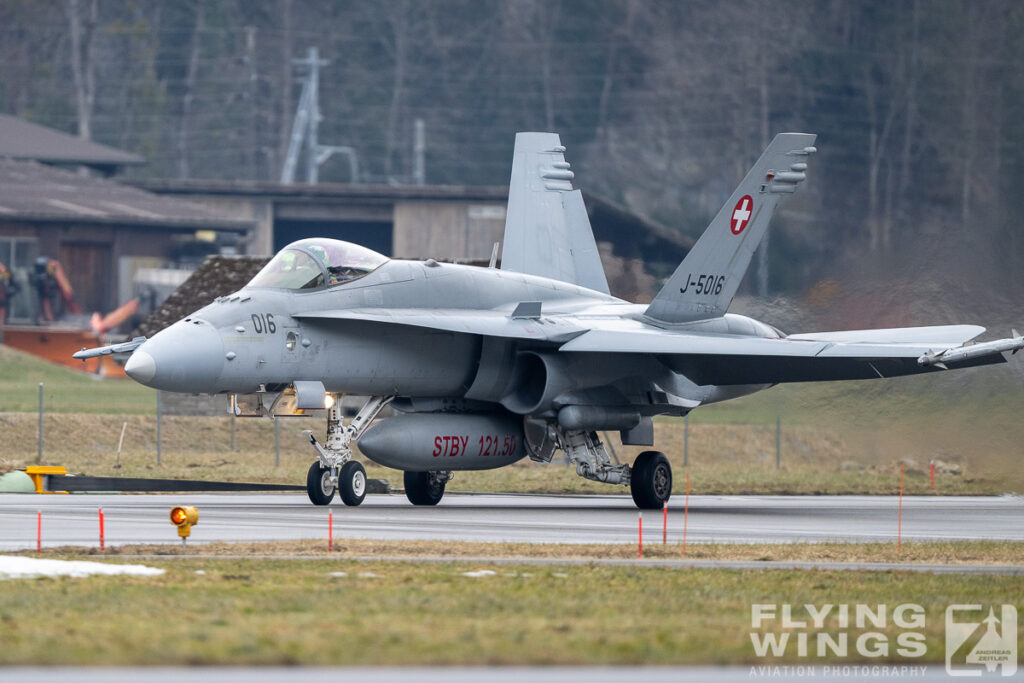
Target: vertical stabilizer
{"x": 547, "y": 230}
{"x": 706, "y": 281}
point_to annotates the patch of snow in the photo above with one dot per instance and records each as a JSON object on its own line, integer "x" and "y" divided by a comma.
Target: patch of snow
{"x": 478, "y": 574}
{"x": 200, "y": 572}
{"x": 369, "y": 575}
{"x": 338, "y": 574}
{"x": 17, "y": 567}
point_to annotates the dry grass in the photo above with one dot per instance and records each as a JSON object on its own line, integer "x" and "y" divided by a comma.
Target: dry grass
{"x": 723, "y": 458}
{"x": 937, "y": 552}
{"x": 341, "y": 611}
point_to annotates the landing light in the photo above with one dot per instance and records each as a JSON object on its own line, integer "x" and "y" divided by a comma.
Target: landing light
{"x": 328, "y": 401}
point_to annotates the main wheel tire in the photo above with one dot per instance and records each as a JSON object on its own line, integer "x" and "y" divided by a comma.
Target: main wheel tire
{"x": 318, "y": 484}
{"x": 651, "y": 480}
{"x": 421, "y": 490}
{"x": 352, "y": 483}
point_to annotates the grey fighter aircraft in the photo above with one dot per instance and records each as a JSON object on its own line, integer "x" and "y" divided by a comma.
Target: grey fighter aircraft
{"x": 484, "y": 366}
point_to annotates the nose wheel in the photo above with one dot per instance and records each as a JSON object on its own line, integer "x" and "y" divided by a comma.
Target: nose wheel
{"x": 319, "y": 485}
{"x": 352, "y": 483}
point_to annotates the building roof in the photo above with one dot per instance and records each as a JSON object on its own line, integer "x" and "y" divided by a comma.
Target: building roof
{"x": 20, "y": 139}
{"x": 35, "y": 192}
{"x": 610, "y": 221}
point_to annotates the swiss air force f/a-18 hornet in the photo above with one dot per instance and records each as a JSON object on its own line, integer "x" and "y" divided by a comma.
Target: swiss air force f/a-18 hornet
{"x": 484, "y": 366}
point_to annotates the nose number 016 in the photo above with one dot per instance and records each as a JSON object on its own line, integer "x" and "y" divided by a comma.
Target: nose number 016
{"x": 263, "y": 322}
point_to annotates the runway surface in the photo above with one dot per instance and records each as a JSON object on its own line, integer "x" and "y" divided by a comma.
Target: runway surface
{"x": 73, "y": 519}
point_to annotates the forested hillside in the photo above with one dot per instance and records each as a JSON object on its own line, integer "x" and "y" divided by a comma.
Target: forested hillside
{"x": 919, "y": 108}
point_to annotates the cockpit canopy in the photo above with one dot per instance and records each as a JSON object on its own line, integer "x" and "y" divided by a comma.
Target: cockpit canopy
{"x": 317, "y": 262}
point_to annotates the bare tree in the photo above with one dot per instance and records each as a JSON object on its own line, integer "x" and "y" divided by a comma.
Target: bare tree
{"x": 398, "y": 48}
{"x": 287, "y": 105}
{"x": 188, "y": 97}
{"x": 621, "y": 33}
{"x": 83, "y": 33}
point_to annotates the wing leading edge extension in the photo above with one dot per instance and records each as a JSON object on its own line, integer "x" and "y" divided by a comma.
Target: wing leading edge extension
{"x": 483, "y": 323}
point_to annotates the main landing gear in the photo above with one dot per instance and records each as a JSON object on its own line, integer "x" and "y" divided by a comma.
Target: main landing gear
{"x": 649, "y": 479}
{"x": 334, "y": 469}
{"x": 425, "y": 488}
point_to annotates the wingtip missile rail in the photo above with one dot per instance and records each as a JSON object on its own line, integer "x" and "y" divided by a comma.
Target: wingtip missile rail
{"x": 1012, "y": 344}
{"x": 123, "y": 347}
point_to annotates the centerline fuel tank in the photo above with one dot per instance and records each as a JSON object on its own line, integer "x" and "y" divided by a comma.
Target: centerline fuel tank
{"x": 423, "y": 442}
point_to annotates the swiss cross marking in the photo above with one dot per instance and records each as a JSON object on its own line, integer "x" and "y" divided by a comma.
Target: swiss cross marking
{"x": 741, "y": 214}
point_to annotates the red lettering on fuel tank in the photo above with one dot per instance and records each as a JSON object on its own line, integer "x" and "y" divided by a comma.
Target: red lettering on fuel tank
{"x": 465, "y": 443}
{"x": 437, "y": 446}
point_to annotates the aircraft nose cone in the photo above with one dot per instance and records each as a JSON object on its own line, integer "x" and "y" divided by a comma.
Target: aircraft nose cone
{"x": 140, "y": 367}
{"x": 187, "y": 357}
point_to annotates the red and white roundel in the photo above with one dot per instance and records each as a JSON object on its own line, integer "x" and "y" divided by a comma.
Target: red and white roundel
{"x": 741, "y": 214}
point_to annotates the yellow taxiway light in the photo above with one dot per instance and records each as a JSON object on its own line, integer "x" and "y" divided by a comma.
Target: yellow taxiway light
{"x": 183, "y": 517}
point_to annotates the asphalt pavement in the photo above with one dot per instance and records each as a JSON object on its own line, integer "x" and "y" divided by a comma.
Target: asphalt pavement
{"x": 73, "y": 519}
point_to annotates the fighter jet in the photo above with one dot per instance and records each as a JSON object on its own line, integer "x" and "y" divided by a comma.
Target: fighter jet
{"x": 485, "y": 366}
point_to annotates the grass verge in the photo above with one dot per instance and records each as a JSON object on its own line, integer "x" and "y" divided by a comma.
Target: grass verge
{"x": 338, "y": 611}
{"x": 913, "y": 552}
{"x": 723, "y": 458}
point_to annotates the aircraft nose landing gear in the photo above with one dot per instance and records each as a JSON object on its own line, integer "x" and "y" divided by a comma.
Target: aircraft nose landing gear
{"x": 334, "y": 469}
{"x": 319, "y": 485}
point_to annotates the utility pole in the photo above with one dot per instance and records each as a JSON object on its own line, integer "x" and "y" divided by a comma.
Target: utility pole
{"x": 312, "y": 85}
{"x": 419, "y": 149}
{"x": 304, "y": 128}
{"x": 250, "y": 58}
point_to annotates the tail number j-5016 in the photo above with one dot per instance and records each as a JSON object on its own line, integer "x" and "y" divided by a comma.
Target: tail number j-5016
{"x": 455, "y": 445}
{"x": 704, "y": 284}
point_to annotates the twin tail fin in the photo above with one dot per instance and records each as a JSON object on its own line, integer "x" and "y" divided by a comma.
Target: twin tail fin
{"x": 706, "y": 281}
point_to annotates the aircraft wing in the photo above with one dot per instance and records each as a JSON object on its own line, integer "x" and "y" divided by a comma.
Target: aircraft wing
{"x": 936, "y": 335}
{"x": 724, "y": 359}
{"x": 488, "y": 323}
